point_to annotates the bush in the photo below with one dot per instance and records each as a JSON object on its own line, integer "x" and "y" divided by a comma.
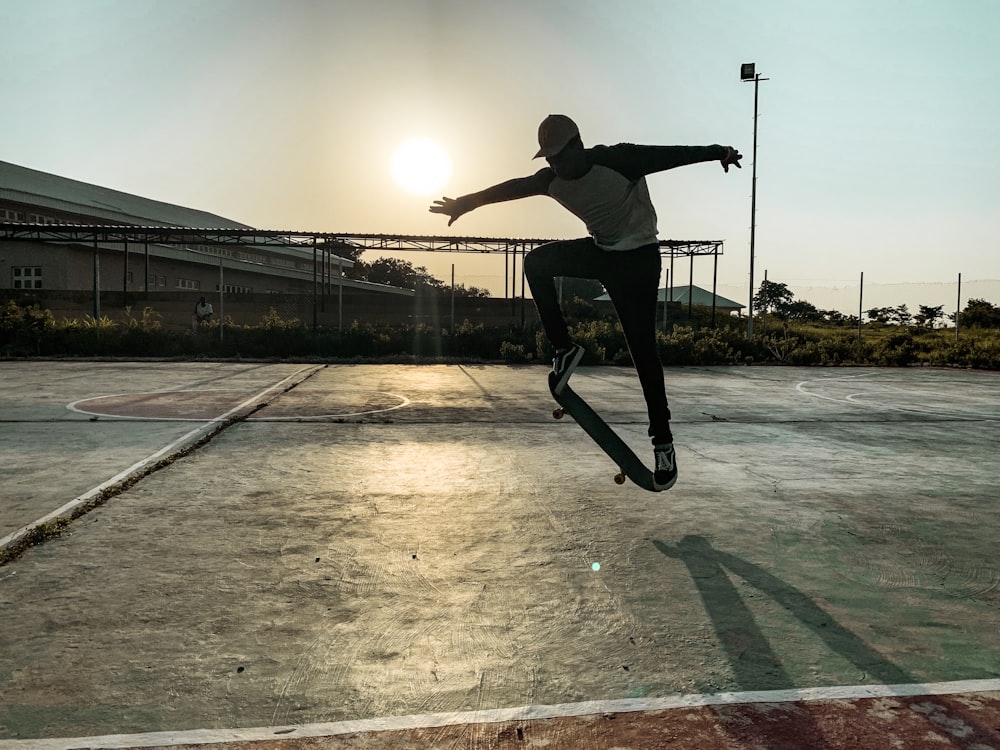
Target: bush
{"x": 677, "y": 346}
{"x": 23, "y": 328}
{"x": 686, "y": 346}
{"x": 27, "y": 330}
{"x": 897, "y": 350}
{"x": 513, "y": 353}
{"x": 597, "y": 337}
{"x": 977, "y": 352}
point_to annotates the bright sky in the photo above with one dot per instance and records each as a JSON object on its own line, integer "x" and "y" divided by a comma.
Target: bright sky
{"x": 878, "y": 147}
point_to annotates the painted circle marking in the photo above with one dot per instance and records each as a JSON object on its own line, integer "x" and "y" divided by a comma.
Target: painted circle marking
{"x": 123, "y": 406}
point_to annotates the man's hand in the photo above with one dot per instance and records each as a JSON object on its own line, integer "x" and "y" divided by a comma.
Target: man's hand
{"x": 451, "y": 207}
{"x": 732, "y": 157}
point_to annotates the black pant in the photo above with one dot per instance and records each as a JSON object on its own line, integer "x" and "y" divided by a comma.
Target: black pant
{"x": 631, "y": 278}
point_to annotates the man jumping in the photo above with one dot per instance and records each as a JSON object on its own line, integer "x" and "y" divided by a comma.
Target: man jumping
{"x": 605, "y": 186}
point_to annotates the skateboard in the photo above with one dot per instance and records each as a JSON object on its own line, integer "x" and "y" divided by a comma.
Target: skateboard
{"x": 607, "y": 439}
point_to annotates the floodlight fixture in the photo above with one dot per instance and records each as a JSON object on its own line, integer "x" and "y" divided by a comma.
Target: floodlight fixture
{"x": 748, "y": 72}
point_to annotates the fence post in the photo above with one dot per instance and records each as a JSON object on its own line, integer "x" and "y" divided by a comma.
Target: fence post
{"x": 958, "y": 306}
{"x": 715, "y": 278}
{"x": 666, "y": 300}
{"x": 125, "y": 278}
{"x": 222, "y": 300}
{"x": 861, "y": 296}
{"x": 763, "y": 311}
{"x": 97, "y": 285}
{"x": 315, "y": 288}
{"x": 524, "y": 252}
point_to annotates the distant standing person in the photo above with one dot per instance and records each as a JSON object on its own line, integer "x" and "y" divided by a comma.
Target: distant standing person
{"x": 605, "y": 186}
{"x": 202, "y": 314}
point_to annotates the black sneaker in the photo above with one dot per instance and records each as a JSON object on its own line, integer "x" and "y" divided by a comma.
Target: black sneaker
{"x": 563, "y": 365}
{"x": 665, "y": 461}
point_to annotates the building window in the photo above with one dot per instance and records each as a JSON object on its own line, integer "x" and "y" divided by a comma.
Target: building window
{"x": 188, "y": 284}
{"x": 27, "y": 277}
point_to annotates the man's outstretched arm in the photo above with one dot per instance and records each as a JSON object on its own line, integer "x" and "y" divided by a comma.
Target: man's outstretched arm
{"x": 636, "y": 161}
{"x": 519, "y": 187}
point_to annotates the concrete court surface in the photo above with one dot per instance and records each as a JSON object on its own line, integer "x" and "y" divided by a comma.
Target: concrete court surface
{"x": 389, "y": 541}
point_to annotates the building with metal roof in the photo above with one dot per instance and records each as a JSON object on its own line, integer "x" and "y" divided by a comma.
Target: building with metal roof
{"x": 288, "y": 263}
{"x": 693, "y": 295}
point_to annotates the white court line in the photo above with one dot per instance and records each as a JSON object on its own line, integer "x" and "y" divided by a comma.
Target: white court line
{"x": 75, "y": 407}
{"x": 403, "y": 401}
{"x": 801, "y": 387}
{"x": 493, "y": 716}
{"x": 192, "y": 436}
{"x": 867, "y": 400}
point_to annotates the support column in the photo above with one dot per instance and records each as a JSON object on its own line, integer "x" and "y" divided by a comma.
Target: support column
{"x": 125, "y": 277}
{"x": 97, "y": 285}
{"x": 715, "y": 277}
{"x": 222, "y": 300}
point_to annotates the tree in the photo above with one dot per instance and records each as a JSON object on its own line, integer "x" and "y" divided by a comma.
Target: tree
{"x": 879, "y": 314}
{"x": 928, "y": 316}
{"x": 900, "y": 315}
{"x": 359, "y": 271}
{"x": 461, "y": 290}
{"x": 343, "y": 250}
{"x": 400, "y": 273}
{"x": 587, "y": 289}
{"x": 981, "y": 314}
{"x": 772, "y": 295}
{"x": 800, "y": 310}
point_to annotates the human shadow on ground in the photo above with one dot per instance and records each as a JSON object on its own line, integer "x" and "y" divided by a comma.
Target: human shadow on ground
{"x": 754, "y": 662}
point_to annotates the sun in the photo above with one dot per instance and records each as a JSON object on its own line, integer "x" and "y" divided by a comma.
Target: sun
{"x": 421, "y": 166}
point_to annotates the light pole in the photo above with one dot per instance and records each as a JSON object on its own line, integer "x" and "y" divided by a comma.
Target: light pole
{"x": 748, "y": 73}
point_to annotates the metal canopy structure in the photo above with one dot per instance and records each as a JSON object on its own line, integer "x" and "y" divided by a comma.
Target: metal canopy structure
{"x": 90, "y": 233}
{"x": 328, "y": 242}
{"x": 159, "y": 235}
{"x": 390, "y": 242}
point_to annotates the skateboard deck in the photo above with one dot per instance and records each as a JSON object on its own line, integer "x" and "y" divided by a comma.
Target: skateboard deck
{"x": 607, "y": 439}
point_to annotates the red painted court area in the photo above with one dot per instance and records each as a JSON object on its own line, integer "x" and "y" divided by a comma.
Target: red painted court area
{"x": 970, "y": 722}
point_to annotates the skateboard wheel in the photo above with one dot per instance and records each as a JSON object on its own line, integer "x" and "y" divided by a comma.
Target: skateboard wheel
{"x": 620, "y": 478}
{"x": 558, "y": 413}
